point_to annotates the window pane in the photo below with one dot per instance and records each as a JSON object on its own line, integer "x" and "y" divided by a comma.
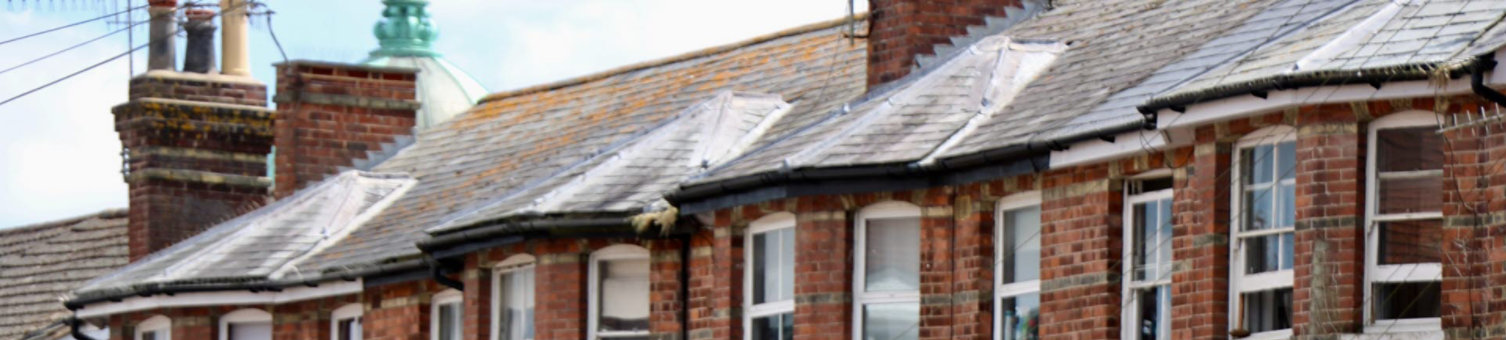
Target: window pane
{"x": 1288, "y": 254}
{"x": 1258, "y": 212}
{"x": 774, "y": 327}
{"x": 1153, "y": 313}
{"x": 1408, "y": 300}
{"x": 1152, "y": 257}
{"x": 1257, "y": 164}
{"x": 1020, "y": 319}
{"x": 773, "y": 266}
{"x": 787, "y": 264}
{"x": 1268, "y": 310}
{"x": 891, "y": 321}
{"x": 1286, "y": 157}
{"x": 149, "y": 335}
{"x": 1409, "y": 149}
{"x": 1166, "y": 235}
{"x": 1412, "y": 193}
{"x": 1268, "y": 253}
{"x": 350, "y": 329}
{"x": 1404, "y": 242}
{"x": 1286, "y": 206}
{"x": 449, "y": 315}
{"x": 250, "y": 331}
{"x": 516, "y": 318}
{"x": 892, "y": 255}
{"x": 624, "y": 295}
{"x": 763, "y": 272}
{"x": 1021, "y": 246}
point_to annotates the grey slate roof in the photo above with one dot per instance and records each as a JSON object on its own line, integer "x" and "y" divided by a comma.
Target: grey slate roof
{"x": 259, "y": 247}
{"x": 524, "y": 143}
{"x": 1370, "y": 37}
{"x": 632, "y": 177}
{"x": 1113, "y": 46}
{"x": 1273, "y": 23}
{"x": 39, "y": 264}
{"x": 616, "y": 142}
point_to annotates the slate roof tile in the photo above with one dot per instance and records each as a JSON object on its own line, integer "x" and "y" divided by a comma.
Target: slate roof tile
{"x": 522, "y": 142}
{"x": 39, "y": 264}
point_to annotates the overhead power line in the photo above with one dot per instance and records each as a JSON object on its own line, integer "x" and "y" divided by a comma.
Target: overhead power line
{"x": 71, "y": 75}
{"x": 59, "y": 28}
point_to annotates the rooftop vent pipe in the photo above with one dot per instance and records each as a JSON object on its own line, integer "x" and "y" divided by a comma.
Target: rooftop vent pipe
{"x": 199, "y": 57}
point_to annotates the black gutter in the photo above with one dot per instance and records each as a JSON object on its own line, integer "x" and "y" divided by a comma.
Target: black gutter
{"x": 994, "y": 163}
{"x": 74, "y": 324}
{"x": 1485, "y": 63}
{"x": 506, "y": 231}
{"x": 252, "y": 286}
{"x": 1375, "y": 77}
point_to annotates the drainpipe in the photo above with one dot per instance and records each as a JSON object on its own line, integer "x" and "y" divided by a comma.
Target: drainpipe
{"x": 685, "y": 285}
{"x": 1477, "y": 79}
{"x": 437, "y": 270}
{"x": 74, "y": 324}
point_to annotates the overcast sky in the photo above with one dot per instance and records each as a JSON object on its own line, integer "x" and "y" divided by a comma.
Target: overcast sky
{"x": 60, "y": 155}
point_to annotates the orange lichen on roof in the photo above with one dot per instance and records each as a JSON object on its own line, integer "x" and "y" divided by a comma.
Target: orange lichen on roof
{"x": 516, "y": 138}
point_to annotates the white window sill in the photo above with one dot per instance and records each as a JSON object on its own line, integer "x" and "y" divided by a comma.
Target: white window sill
{"x": 1394, "y": 335}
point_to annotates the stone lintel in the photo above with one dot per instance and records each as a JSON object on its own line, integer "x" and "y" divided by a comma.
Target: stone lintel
{"x": 196, "y": 176}
{"x": 377, "y": 103}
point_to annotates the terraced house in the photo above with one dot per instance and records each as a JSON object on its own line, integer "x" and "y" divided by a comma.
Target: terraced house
{"x": 985, "y": 169}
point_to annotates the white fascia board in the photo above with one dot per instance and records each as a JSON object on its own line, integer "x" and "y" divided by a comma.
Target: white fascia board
{"x": 1179, "y": 125}
{"x": 228, "y": 298}
{"x": 1096, "y": 150}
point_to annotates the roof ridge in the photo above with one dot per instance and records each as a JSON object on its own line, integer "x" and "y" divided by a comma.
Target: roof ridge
{"x": 551, "y": 86}
{"x": 107, "y": 213}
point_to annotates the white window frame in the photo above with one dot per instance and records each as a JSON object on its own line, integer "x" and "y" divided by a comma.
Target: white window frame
{"x": 1131, "y": 303}
{"x": 1239, "y": 282}
{"x": 613, "y": 252}
{"x": 157, "y": 323}
{"x": 248, "y": 315}
{"x": 439, "y": 300}
{"x": 773, "y": 222}
{"x": 511, "y": 264}
{"x": 890, "y": 209}
{"x": 349, "y": 311}
{"x": 1003, "y": 290}
{"x": 1375, "y": 272}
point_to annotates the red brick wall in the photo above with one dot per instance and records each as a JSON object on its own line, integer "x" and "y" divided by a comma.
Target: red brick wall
{"x": 1474, "y": 269}
{"x": 1081, "y": 240}
{"x": 331, "y": 114}
{"x": 902, "y": 29}
{"x": 193, "y": 161}
{"x": 1329, "y": 278}
{"x": 1200, "y": 241}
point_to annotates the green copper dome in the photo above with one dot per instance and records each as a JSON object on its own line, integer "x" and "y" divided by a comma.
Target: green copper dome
{"x": 407, "y": 40}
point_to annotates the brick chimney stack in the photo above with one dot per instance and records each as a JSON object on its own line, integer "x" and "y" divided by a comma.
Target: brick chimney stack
{"x": 902, "y": 30}
{"x": 330, "y": 115}
{"x": 195, "y": 144}
{"x": 196, "y": 147}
